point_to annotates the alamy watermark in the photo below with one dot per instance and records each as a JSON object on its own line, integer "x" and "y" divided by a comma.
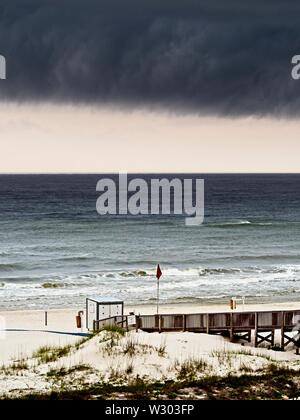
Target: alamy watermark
{"x": 2, "y": 67}
{"x": 155, "y": 196}
{"x": 296, "y": 67}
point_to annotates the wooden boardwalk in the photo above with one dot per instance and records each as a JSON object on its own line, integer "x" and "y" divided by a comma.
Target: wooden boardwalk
{"x": 236, "y": 325}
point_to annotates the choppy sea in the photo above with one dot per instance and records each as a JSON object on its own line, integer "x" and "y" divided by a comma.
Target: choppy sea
{"x": 55, "y": 250}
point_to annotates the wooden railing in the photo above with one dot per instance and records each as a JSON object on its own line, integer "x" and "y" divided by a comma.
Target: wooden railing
{"x": 219, "y": 321}
{"x": 230, "y": 323}
{"x": 263, "y": 323}
{"x": 119, "y": 320}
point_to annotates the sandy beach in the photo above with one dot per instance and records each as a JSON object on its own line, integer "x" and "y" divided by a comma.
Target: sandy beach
{"x": 26, "y": 330}
{"x": 154, "y": 356}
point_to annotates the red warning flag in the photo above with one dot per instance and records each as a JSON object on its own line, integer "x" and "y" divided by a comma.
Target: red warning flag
{"x": 158, "y": 272}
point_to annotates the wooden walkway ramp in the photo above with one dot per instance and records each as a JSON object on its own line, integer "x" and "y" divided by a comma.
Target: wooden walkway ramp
{"x": 262, "y": 324}
{"x": 236, "y": 325}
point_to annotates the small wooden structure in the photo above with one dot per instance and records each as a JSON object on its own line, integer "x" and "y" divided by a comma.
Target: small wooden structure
{"x": 101, "y": 308}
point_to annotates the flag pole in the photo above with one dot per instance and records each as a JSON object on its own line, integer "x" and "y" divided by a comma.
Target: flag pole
{"x": 158, "y": 275}
{"x": 157, "y": 296}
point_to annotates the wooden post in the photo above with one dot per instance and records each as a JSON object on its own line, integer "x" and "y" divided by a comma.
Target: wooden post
{"x": 126, "y": 321}
{"x": 231, "y": 327}
{"x": 256, "y": 330}
{"x": 137, "y": 323}
{"x": 184, "y": 322}
{"x": 207, "y": 323}
{"x": 46, "y": 318}
{"x": 273, "y": 338}
{"x": 159, "y": 323}
{"x": 282, "y": 330}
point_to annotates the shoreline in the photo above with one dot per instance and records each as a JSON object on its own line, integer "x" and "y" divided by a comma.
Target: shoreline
{"x": 170, "y": 308}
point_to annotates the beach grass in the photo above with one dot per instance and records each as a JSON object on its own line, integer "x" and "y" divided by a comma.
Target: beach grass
{"x": 48, "y": 354}
{"x": 274, "y": 384}
{"x": 115, "y": 329}
{"x": 83, "y": 341}
{"x": 15, "y": 367}
{"x": 63, "y": 372}
{"x": 162, "y": 349}
{"x": 130, "y": 347}
{"x": 190, "y": 369}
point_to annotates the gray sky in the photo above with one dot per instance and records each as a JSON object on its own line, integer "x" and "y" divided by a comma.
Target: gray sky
{"x": 197, "y": 56}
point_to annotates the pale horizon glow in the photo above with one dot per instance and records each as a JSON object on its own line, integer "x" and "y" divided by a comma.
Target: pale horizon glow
{"x": 81, "y": 139}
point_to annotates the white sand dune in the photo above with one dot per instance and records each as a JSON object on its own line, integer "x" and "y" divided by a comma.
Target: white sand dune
{"x": 156, "y": 356}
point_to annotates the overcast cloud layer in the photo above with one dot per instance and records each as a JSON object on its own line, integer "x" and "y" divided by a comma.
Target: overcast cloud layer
{"x": 227, "y": 57}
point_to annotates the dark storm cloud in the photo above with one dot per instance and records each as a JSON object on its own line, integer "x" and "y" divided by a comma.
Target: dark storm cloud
{"x": 221, "y": 57}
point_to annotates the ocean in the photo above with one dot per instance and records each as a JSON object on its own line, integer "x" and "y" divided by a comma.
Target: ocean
{"x": 55, "y": 250}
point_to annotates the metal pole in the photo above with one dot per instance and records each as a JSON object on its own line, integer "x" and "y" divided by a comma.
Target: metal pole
{"x": 157, "y": 296}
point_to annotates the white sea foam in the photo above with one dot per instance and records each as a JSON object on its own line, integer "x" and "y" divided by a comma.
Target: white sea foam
{"x": 138, "y": 286}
